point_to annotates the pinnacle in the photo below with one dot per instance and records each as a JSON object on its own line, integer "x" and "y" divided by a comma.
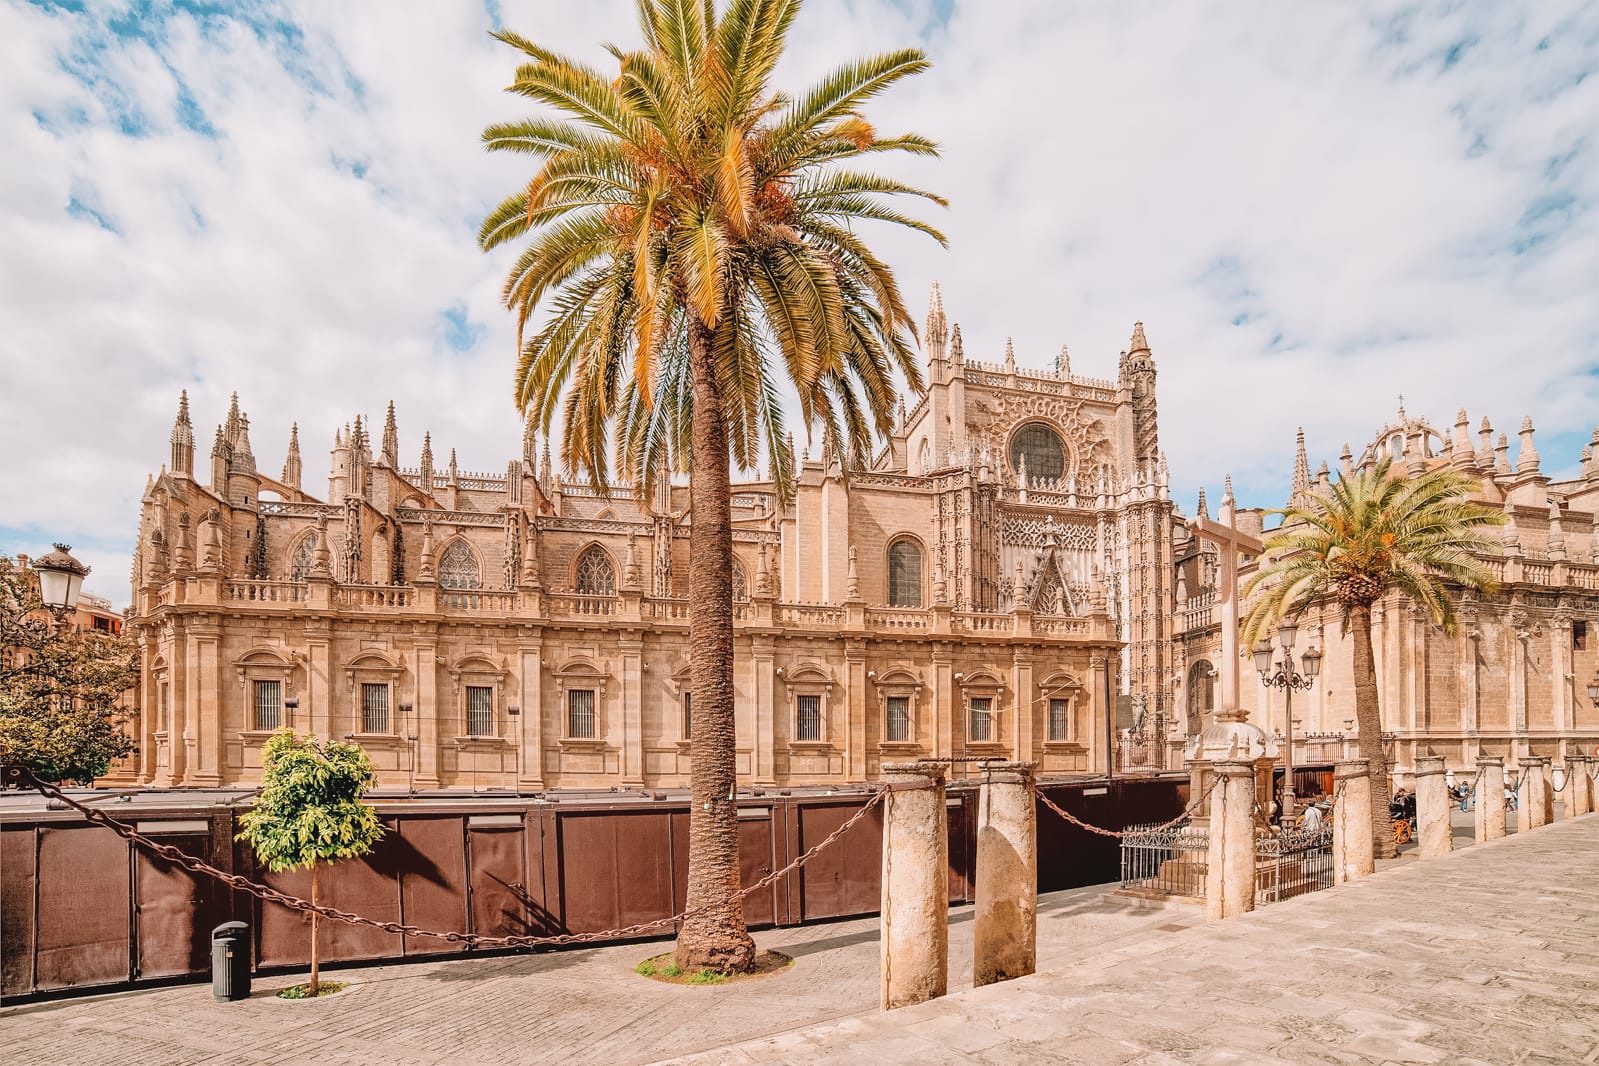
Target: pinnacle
{"x": 1138, "y": 344}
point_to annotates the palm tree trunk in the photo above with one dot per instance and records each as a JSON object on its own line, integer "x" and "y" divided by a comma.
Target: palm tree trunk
{"x": 315, "y": 958}
{"x": 1368, "y": 716}
{"x": 714, "y": 936}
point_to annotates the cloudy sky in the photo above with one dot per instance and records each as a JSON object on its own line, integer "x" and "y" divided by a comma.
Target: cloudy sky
{"x": 1314, "y": 208}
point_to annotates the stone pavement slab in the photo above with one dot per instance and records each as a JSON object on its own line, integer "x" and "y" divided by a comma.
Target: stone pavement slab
{"x": 1485, "y": 955}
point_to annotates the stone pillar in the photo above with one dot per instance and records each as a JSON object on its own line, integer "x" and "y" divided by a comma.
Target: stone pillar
{"x": 1005, "y": 931}
{"x": 915, "y": 906}
{"x": 631, "y": 648}
{"x": 1432, "y": 807}
{"x": 1574, "y": 770}
{"x": 1547, "y": 775}
{"x": 1530, "y": 810}
{"x": 1581, "y": 784}
{"x": 1353, "y": 857}
{"x": 1230, "y": 873}
{"x": 1489, "y": 793}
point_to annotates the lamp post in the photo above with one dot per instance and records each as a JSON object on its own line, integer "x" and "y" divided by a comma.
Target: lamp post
{"x": 1283, "y": 675}
{"x": 60, "y": 580}
{"x": 406, "y": 708}
{"x": 1593, "y": 690}
{"x": 290, "y": 705}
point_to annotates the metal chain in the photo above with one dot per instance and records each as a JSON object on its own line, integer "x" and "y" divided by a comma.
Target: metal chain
{"x": 22, "y": 777}
{"x": 1079, "y": 823}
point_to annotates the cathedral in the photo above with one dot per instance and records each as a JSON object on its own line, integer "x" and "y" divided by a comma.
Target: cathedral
{"x": 1511, "y": 682}
{"x": 998, "y": 583}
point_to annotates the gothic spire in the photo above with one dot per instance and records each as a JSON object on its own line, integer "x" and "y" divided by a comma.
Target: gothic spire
{"x": 1301, "y": 469}
{"x": 1346, "y": 461}
{"x": 391, "y": 439}
{"x": 937, "y": 327}
{"x": 1010, "y": 356}
{"x": 1138, "y": 343}
{"x": 291, "y": 462}
{"x": 243, "y": 457}
{"x": 1527, "y": 458}
{"x": 231, "y": 430}
{"x": 182, "y": 457}
{"x": 1203, "y": 510}
{"x": 427, "y": 462}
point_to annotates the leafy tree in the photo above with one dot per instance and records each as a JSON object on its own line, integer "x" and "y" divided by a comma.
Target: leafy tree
{"x": 691, "y": 247}
{"x": 1374, "y": 531}
{"x": 60, "y": 688}
{"x": 309, "y": 812}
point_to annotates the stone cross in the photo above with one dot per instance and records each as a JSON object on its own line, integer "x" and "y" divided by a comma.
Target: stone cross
{"x": 1225, "y": 534}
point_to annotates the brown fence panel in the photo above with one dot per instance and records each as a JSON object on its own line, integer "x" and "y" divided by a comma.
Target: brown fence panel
{"x": 18, "y": 850}
{"x": 1069, "y": 857}
{"x": 500, "y": 901}
{"x": 846, "y": 878}
{"x": 431, "y": 855}
{"x": 757, "y": 853}
{"x": 84, "y": 920}
{"x": 171, "y": 910}
{"x": 615, "y": 868}
{"x": 369, "y": 887}
{"x": 962, "y": 819}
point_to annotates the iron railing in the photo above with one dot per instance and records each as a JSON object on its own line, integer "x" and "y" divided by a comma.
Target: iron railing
{"x": 1166, "y": 861}
{"x": 1292, "y": 863}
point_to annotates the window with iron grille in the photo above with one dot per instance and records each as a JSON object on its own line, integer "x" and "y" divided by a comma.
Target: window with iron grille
{"x": 688, "y": 715}
{"x": 166, "y": 706}
{"x": 268, "y": 704}
{"x": 479, "y": 711}
{"x": 899, "y": 718}
{"x": 904, "y": 574}
{"x": 982, "y": 720}
{"x": 374, "y": 707}
{"x": 1058, "y": 719}
{"x": 580, "y": 713}
{"x": 809, "y": 726}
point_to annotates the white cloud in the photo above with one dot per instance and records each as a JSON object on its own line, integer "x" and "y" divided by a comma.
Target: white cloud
{"x": 1313, "y": 208}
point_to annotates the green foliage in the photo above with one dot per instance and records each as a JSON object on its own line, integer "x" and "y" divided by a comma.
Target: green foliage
{"x": 310, "y": 810}
{"x": 323, "y": 988}
{"x": 683, "y": 196}
{"x": 707, "y": 977}
{"x": 1375, "y": 531}
{"x": 60, "y": 689}
{"x": 645, "y": 968}
{"x": 671, "y": 969}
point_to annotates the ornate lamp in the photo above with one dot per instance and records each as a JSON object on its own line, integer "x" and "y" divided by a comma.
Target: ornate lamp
{"x": 60, "y": 579}
{"x": 1312, "y": 662}
{"x": 1263, "y": 655}
{"x": 1286, "y": 632}
{"x": 1593, "y": 690}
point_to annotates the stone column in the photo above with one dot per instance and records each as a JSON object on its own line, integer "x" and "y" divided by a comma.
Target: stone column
{"x": 1005, "y": 931}
{"x": 1230, "y": 872}
{"x": 1548, "y": 778}
{"x": 1353, "y": 857}
{"x": 1530, "y": 811}
{"x": 1432, "y": 807}
{"x": 1574, "y": 770}
{"x": 915, "y": 906}
{"x": 1489, "y": 792}
{"x": 1577, "y": 770}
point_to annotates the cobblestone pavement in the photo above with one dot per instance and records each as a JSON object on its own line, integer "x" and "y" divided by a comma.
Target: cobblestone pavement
{"x": 574, "y": 1007}
{"x": 1489, "y": 955}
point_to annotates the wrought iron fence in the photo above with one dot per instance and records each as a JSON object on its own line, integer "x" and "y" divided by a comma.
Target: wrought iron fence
{"x": 1292, "y": 863}
{"x": 1168, "y": 861}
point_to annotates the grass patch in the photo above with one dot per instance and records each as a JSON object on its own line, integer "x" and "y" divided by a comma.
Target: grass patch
{"x": 664, "y": 968}
{"x": 324, "y": 989}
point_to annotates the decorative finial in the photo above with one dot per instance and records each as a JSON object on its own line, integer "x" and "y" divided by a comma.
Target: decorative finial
{"x": 852, "y": 588}
{"x": 1010, "y": 356}
{"x": 1138, "y": 344}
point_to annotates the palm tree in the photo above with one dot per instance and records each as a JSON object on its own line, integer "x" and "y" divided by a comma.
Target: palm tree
{"x": 689, "y": 231}
{"x": 1374, "y": 531}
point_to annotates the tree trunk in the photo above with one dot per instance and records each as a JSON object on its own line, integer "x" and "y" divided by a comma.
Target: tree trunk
{"x": 1368, "y": 716}
{"x": 315, "y": 969}
{"x": 714, "y": 936}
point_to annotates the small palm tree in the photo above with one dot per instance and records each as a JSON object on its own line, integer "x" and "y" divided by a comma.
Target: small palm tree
{"x": 691, "y": 245}
{"x": 1375, "y": 531}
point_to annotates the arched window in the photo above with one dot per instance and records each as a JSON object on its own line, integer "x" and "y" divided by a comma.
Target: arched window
{"x": 1041, "y": 446}
{"x": 458, "y": 567}
{"x": 304, "y": 554}
{"x": 925, "y": 456}
{"x": 741, "y": 583}
{"x": 904, "y": 574}
{"x": 595, "y": 574}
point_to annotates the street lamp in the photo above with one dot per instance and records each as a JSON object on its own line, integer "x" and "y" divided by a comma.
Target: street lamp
{"x": 1282, "y": 675}
{"x": 60, "y": 579}
{"x": 1593, "y": 690}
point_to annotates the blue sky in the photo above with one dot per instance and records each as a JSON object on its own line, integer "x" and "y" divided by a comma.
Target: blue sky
{"x": 1313, "y": 209}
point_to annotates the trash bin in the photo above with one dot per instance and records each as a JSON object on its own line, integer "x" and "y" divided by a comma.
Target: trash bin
{"x": 230, "y": 961}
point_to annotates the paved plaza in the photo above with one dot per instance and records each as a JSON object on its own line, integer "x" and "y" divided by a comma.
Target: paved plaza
{"x": 1490, "y": 955}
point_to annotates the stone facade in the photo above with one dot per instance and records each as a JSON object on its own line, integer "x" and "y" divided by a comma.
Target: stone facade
{"x": 1510, "y": 683}
{"x": 996, "y": 584}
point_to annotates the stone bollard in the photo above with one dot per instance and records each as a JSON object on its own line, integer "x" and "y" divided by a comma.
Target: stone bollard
{"x": 1352, "y": 855}
{"x": 1548, "y": 789}
{"x": 1432, "y": 807}
{"x": 1490, "y": 796}
{"x": 1005, "y": 929}
{"x": 1568, "y": 809}
{"x": 915, "y": 908}
{"x": 1530, "y": 808}
{"x": 1230, "y": 862}
{"x": 1578, "y": 767}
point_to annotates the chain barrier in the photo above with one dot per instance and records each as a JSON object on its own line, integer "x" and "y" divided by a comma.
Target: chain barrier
{"x": 22, "y": 777}
{"x": 1079, "y": 823}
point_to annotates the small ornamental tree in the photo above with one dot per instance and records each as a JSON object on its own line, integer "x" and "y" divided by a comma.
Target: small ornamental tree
{"x": 310, "y": 813}
{"x": 60, "y": 689}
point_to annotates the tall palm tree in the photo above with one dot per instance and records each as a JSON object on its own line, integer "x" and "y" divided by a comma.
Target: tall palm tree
{"x": 690, "y": 244}
{"x": 1374, "y": 531}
